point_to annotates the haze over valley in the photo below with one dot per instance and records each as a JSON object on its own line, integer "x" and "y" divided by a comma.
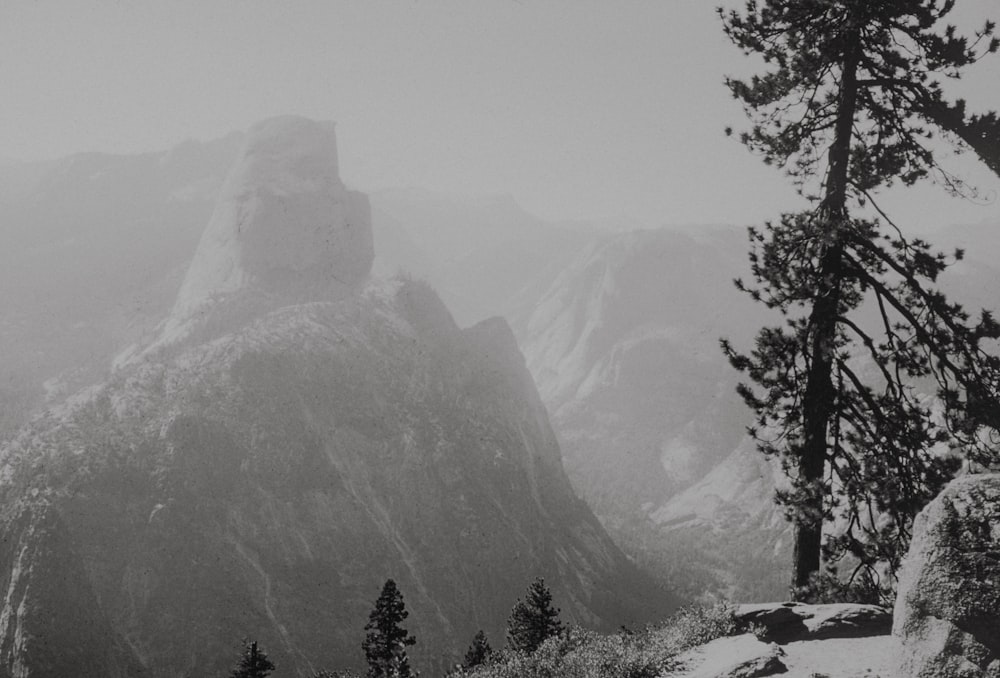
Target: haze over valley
{"x": 436, "y": 311}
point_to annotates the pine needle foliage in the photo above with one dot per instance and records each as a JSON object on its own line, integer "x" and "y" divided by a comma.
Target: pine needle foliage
{"x": 386, "y": 640}
{"x": 873, "y": 374}
{"x": 533, "y": 620}
{"x": 479, "y": 652}
{"x": 253, "y": 663}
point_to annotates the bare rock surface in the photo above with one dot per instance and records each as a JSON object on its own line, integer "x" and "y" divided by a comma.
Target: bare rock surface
{"x": 788, "y": 622}
{"x": 799, "y": 640}
{"x": 871, "y": 657}
{"x": 947, "y": 615}
{"x": 285, "y": 230}
{"x": 746, "y": 656}
{"x": 734, "y": 657}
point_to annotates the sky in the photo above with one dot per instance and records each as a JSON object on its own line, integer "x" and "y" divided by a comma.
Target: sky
{"x": 577, "y": 108}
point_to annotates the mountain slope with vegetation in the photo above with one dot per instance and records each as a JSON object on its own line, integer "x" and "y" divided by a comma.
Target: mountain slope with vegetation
{"x": 279, "y": 450}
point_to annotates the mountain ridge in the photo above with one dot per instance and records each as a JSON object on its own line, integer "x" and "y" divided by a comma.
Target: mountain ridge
{"x": 264, "y": 473}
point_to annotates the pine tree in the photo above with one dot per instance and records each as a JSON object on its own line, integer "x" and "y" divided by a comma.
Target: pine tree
{"x": 980, "y": 132}
{"x": 479, "y": 652}
{"x": 385, "y": 640}
{"x": 850, "y": 104}
{"x": 533, "y": 620}
{"x": 254, "y": 662}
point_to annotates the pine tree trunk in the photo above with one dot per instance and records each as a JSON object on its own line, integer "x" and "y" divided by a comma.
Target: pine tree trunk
{"x": 819, "y": 401}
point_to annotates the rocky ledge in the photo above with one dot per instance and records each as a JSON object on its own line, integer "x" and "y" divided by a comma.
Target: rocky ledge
{"x": 788, "y": 622}
{"x": 795, "y": 639}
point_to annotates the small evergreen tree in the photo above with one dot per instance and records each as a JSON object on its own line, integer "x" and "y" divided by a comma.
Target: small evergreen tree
{"x": 385, "y": 640}
{"x": 533, "y": 619}
{"x": 479, "y": 652}
{"x": 254, "y": 662}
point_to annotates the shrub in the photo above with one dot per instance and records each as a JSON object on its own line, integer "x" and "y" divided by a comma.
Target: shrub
{"x": 698, "y": 624}
{"x": 583, "y": 654}
{"x": 648, "y": 653}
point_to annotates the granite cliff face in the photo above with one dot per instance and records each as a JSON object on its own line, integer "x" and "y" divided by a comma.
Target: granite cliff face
{"x": 94, "y": 250}
{"x": 285, "y": 229}
{"x": 294, "y": 436}
{"x": 726, "y": 532}
{"x": 947, "y": 615}
{"x": 624, "y": 349}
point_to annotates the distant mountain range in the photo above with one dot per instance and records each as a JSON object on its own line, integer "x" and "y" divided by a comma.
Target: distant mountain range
{"x": 289, "y": 435}
{"x": 94, "y": 249}
{"x": 624, "y": 347}
{"x": 619, "y": 331}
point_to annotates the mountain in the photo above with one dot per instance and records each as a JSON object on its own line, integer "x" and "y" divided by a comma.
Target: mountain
{"x": 624, "y": 349}
{"x": 284, "y": 228}
{"x": 621, "y": 336}
{"x": 94, "y": 249}
{"x": 294, "y": 433}
{"x": 724, "y": 533}
{"x": 96, "y": 246}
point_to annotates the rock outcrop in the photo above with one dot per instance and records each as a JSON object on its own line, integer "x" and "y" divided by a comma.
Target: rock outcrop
{"x": 947, "y": 615}
{"x": 741, "y": 656}
{"x": 285, "y": 230}
{"x": 792, "y": 622}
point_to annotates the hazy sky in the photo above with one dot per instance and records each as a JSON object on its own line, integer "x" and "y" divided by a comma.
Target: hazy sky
{"x": 578, "y": 109}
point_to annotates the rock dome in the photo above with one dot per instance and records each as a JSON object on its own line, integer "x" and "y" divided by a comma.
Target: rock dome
{"x": 285, "y": 230}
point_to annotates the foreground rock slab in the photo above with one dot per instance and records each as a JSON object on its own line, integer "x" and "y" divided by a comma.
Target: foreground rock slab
{"x": 734, "y": 657}
{"x": 871, "y": 657}
{"x": 788, "y": 622}
{"x": 947, "y": 616}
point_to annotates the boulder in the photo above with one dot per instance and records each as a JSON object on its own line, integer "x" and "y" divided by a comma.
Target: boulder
{"x": 779, "y": 622}
{"x": 789, "y": 622}
{"x": 947, "y": 615}
{"x": 848, "y": 620}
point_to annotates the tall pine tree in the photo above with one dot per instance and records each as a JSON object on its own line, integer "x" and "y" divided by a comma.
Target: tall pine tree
{"x": 479, "y": 652}
{"x": 533, "y": 620}
{"x": 849, "y": 103}
{"x": 254, "y": 662}
{"x": 385, "y": 640}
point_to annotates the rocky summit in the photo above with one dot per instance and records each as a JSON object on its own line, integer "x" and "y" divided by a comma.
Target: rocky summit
{"x": 285, "y": 229}
{"x": 296, "y": 435}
